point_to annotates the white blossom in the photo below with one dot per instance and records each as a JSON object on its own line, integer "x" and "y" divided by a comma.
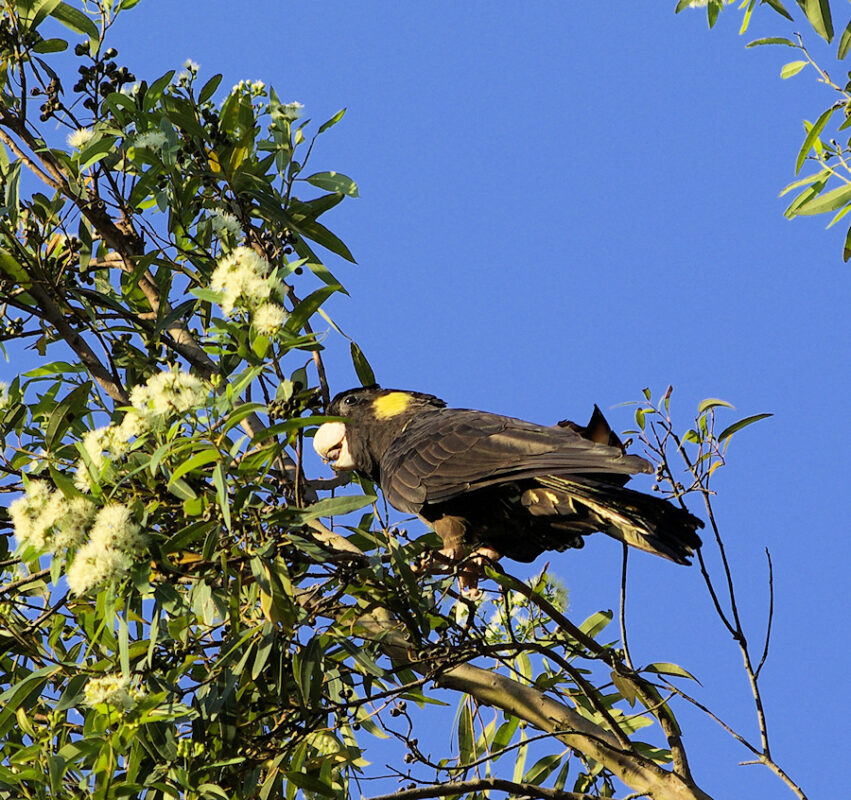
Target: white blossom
{"x": 71, "y": 528}
{"x": 254, "y": 88}
{"x": 191, "y": 66}
{"x": 94, "y": 565}
{"x": 79, "y": 138}
{"x": 4, "y": 395}
{"x": 47, "y": 520}
{"x": 151, "y": 140}
{"x": 269, "y": 318}
{"x": 241, "y": 276}
{"x": 115, "y": 528}
{"x": 222, "y": 222}
{"x": 112, "y": 690}
{"x": 168, "y": 393}
{"x": 292, "y": 111}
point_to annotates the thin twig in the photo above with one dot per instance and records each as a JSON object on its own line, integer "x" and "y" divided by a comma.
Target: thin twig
{"x": 770, "y": 614}
{"x": 622, "y": 609}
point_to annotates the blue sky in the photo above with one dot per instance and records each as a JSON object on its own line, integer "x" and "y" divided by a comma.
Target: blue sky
{"x": 564, "y": 203}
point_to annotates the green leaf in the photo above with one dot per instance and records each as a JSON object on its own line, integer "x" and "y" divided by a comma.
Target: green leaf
{"x": 712, "y": 402}
{"x": 778, "y": 7}
{"x": 772, "y": 40}
{"x": 625, "y": 687}
{"x": 746, "y": 19}
{"x": 308, "y": 307}
{"x": 542, "y": 768}
{"x": 362, "y": 368}
{"x": 792, "y": 68}
{"x": 220, "y": 482}
{"x": 206, "y": 456}
{"x": 812, "y": 137}
{"x": 742, "y": 423}
{"x": 844, "y": 42}
{"x": 816, "y": 177}
{"x": 335, "y": 506}
{"x": 818, "y": 13}
{"x": 829, "y": 201}
{"x": 504, "y": 733}
{"x": 667, "y": 668}
{"x": 712, "y": 12}
{"x": 41, "y": 8}
{"x": 334, "y": 182}
{"x": 310, "y": 784}
{"x": 595, "y": 623}
{"x": 95, "y": 151}
{"x": 71, "y": 406}
{"x": 333, "y": 121}
{"x": 51, "y": 46}
{"x": 318, "y": 233}
{"x": 846, "y": 249}
{"x": 209, "y": 89}
{"x": 466, "y": 754}
{"x": 75, "y": 20}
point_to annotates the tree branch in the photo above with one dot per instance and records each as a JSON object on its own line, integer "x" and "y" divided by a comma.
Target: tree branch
{"x": 484, "y": 784}
{"x": 545, "y": 713}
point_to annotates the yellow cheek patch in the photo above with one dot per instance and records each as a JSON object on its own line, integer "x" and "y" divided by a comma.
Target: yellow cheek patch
{"x": 389, "y": 405}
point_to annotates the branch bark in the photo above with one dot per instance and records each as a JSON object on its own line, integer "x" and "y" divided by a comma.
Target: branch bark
{"x": 545, "y": 713}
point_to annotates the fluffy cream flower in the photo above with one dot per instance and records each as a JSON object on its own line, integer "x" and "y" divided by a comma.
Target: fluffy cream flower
{"x": 171, "y": 392}
{"x": 222, "y": 222}
{"x": 269, "y": 319}
{"x": 241, "y": 277}
{"x": 115, "y": 528}
{"x": 292, "y": 111}
{"x": 113, "y": 690}
{"x": 94, "y": 565}
{"x": 71, "y": 528}
{"x": 79, "y": 138}
{"x": 47, "y": 520}
{"x": 151, "y": 140}
{"x": 4, "y": 395}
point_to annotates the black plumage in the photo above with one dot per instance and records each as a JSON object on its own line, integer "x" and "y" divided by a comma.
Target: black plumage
{"x": 486, "y": 480}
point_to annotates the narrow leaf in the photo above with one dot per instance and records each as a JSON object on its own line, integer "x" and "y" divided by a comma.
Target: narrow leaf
{"x": 818, "y": 13}
{"x": 712, "y": 402}
{"x": 595, "y": 623}
{"x": 771, "y": 40}
{"x": 742, "y": 423}
{"x": 334, "y": 506}
{"x": 829, "y": 201}
{"x": 811, "y": 137}
{"x": 206, "y": 456}
{"x": 333, "y": 121}
{"x": 76, "y": 20}
{"x": 667, "y": 668}
{"x": 362, "y": 368}
{"x": 778, "y": 7}
{"x": 844, "y": 42}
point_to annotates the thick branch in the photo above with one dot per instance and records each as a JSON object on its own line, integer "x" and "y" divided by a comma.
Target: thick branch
{"x": 545, "y": 713}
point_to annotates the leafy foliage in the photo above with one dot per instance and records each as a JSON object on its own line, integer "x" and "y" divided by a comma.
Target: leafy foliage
{"x": 177, "y": 619}
{"x": 826, "y": 148}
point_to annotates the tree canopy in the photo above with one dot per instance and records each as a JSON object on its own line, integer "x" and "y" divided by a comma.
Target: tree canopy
{"x": 189, "y": 608}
